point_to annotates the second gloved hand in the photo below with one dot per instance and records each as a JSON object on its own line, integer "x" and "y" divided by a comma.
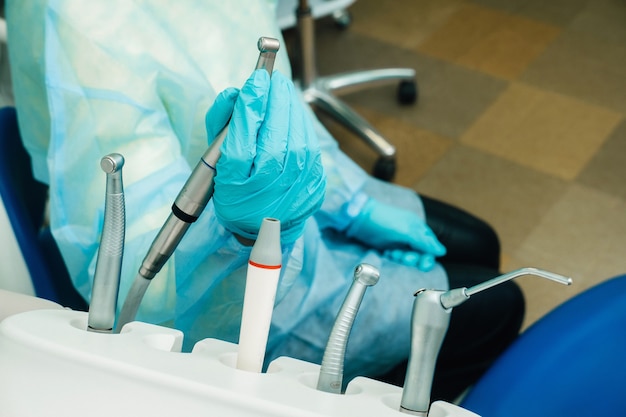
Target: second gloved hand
{"x": 401, "y": 234}
{"x": 271, "y": 162}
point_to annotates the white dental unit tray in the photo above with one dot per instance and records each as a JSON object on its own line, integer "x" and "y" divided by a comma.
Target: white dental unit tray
{"x": 51, "y": 366}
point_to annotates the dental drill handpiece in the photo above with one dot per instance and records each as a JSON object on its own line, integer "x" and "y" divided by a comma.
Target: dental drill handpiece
{"x": 188, "y": 206}
{"x": 331, "y": 371}
{"x": 106, "y": 280}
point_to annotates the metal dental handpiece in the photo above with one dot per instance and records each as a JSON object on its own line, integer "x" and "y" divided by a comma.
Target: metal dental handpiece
{"x": 106, "y": 280}
{"x": 429, "y": 323}
{"x": 331, "y": 371}
{"x": 188, "y": 206}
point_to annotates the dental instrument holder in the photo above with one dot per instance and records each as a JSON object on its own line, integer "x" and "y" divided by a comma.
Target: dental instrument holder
{"x": 189, "y": 204}
{"x": 429, "y": 324}
{"x": 52, "y": 366}
{"x": 331, "y": 370}
{"x": 106, "y": 280}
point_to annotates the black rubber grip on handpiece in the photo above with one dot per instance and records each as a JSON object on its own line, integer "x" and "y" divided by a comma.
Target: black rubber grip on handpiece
{"x": 187, "y": 218}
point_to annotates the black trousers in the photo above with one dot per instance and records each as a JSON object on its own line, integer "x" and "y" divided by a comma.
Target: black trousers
{"x": 481, "y": 328}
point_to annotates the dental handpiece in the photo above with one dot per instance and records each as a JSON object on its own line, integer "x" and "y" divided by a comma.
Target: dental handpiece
{"x": 189, "y": 204}
{"x": 106, "y": 280}
{"x": 331, "y": 370}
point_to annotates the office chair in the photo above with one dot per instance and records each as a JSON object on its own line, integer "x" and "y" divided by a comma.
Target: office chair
{"x": 319, "y": 91}
{"x": 569, "y": 363}
{"x": 24, "y": 199}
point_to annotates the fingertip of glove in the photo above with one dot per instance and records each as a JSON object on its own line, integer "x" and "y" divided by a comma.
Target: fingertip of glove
{"x": 439, "y": 249}
{"x": 411, "y": 258}
{"x": 280, "y": 84}
{"x": 254, "y": 90}
{"x": 218, "y": 114}
{"x": 230, "y": 93}
{"x": 426, "y": 263}
{"x": 278, "y": 76}
{"x": 259, "y": 78}
{"x": 227, "y": 95}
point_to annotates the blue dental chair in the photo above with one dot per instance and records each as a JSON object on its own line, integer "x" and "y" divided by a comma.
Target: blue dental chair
{"x": 24, "y": 199}
{"x": 570, "y": 363}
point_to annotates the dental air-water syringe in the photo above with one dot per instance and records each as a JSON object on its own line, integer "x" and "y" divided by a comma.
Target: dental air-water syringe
{"x": 188, "y": 206}
{"x": 429, "y": 324}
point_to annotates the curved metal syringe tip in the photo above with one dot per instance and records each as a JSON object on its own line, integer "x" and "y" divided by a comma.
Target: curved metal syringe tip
{"x": 457, "y": 296}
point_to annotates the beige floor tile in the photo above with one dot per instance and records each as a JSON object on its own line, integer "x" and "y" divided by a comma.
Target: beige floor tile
{"x": 607, "y": 169}
{"x": 490, "y": 41}
{"x": 603, "y": 18}
{"x": 511, "y": 198}
{"x": 582, "y": 236}
{"x": 545, "y": 131}
{"x": 556, "y": 12}
{"x": 417, "y": 149}
{"x": 404, "y": 23}
{"x": 584, "y": 65}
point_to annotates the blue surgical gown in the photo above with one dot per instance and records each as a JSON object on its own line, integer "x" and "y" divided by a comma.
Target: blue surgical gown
{"x": 137, "y": 78}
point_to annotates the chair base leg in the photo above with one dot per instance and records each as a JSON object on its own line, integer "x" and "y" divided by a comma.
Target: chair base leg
{"x": 320, "y": 94}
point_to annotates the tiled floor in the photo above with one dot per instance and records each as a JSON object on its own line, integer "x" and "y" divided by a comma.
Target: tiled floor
{"x": 521, "y": 119}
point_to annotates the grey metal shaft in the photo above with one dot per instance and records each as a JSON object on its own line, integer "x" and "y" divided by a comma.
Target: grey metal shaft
{"x": 106, "y": 281}
{"x": 132, "y": 302}
{"x": 518, "y": 273}
{"x": 331, "y": 371}
{"x": 458, "y": 296}
{"x": 190, "y": 202}
{"x": 306, "y": 40}
{"x": 429, "y": 324}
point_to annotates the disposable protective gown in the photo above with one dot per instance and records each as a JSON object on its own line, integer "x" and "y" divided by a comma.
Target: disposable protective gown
{"x": 137, "y": 77}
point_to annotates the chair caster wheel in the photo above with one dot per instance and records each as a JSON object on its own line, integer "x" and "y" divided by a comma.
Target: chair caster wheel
{"x": 407, "y": 92}
{"x": 384, "y": 168}
{"x": 342, "y": 19}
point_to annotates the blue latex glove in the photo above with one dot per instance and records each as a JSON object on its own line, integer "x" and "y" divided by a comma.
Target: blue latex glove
{"x": 271, "y": 163}
{"x": 402, "y": 235}
{"x": 422, "y": 261}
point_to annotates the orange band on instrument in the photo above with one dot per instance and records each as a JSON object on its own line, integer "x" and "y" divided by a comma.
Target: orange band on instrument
{"x": 264, "y": 266}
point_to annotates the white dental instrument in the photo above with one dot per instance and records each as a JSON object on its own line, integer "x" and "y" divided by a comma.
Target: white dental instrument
{"x": 262, "y": 277}
{"x": 188, "y": 206}
{"x": 331, "y": 371}
{"x": 429, "y": 323}
{"x": 106, "y": 280}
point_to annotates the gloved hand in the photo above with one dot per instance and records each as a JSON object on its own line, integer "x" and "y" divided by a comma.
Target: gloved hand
{"x": 401, "y": 234}
{"x": 271, "y": 162}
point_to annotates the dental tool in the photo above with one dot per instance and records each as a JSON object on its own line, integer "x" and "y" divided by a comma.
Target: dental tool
{"x": 189, "y": 204}
{"x": 106, "y": 280}
{"x": 331, "y": 370}
{"x": 264, "y": 268}
{"x": 429, "y": 323}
